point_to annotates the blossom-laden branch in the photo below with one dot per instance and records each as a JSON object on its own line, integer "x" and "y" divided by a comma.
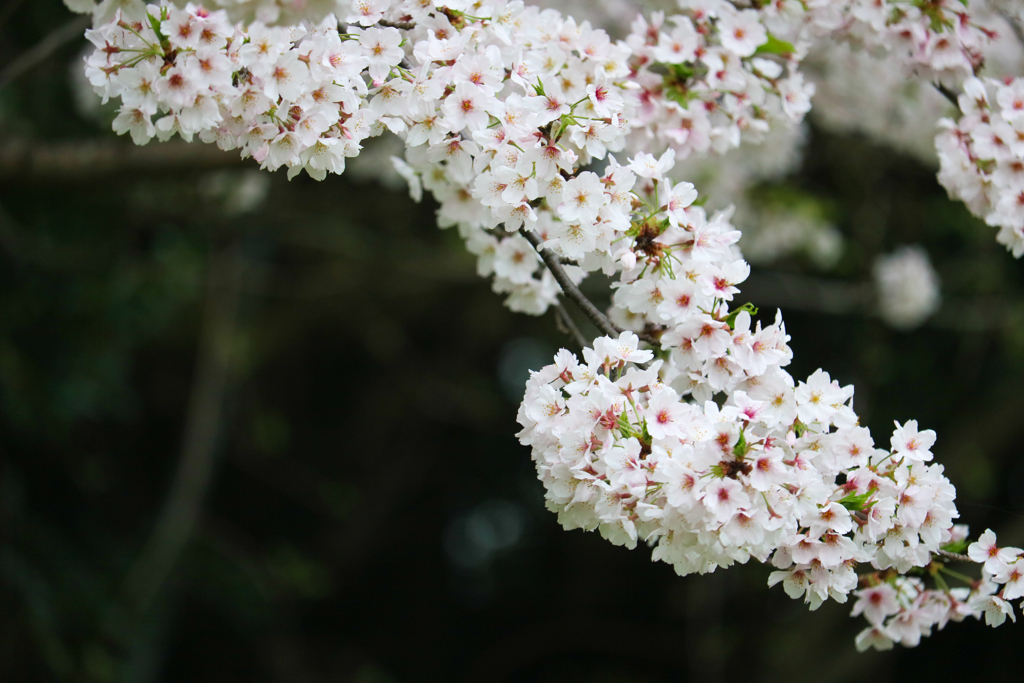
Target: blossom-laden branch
{"x": 569, "y": 288}
{"x": 713, "y": 453}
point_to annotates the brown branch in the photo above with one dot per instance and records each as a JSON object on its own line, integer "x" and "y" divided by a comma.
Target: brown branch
{"x": 403, "y": 25}
{"x": 1014, "y": 23}
{"x": 88, "y": 161}
{"x": 554, "y": 265}
{"x": 954, "y": 556}
{"x": 184, "y": 503}
{"x": 43, "y": 49}
{"x": 948, "y": 94}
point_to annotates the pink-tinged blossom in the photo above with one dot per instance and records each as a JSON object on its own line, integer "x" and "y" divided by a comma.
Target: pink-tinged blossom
{"x": 725, "y": 497}
{"x": 468, "y": 107}
{"x": 742, "y": 32}
{"x": 137, "y": 122}
{"x": 908, "y": 442}
{"x": 1012, "y": 576}
{"x": 995, "y": 609}
{"x": 648, "y": 166}
{"x": 583, "y": 198}
{"x": 875, "y": 637}
{"x": 368, "y": 12}
{"x": 985, "y": 551}
{"x": 382, "y": 50}
{"x": 667, "y": 417}
{"x": 876, "y": 604}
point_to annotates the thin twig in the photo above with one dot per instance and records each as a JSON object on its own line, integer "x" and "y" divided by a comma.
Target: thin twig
{"x": 566, "y": 325}
{"x": 571, "y": 290}
{"x": 184, "y": 503}
{"x": 44, "y": 48}
{"x": 954, "y": 556}
{"x": 948, "y": 94}
{"x": 1014, "y": 23}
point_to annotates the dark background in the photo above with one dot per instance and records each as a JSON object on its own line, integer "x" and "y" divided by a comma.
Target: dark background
{"x": 326, "y": 387}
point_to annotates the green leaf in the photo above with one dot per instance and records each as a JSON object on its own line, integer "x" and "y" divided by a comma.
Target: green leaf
{"x": 682, "y": 72}
{"x": 774, "y": 46}
{"x": 960, "y": 547}
{"x": 154, "y": 24}
{"x": 731, "y": 318}
{"x": 854, "y": 502}
{"x": 678, "y": 95}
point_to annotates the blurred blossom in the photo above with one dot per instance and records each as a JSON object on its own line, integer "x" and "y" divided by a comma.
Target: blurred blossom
{"x": 774, "y": 232}
{"x": 374, "y": 163}
{"x": 86, "y": 104}
{"x": 908, "y": 287}
{"x": 858, "y": 92}
{"x": 238, "y": 192}
{"x": 473, "y": 539}
{"x": 517, "y": 358}
{"x": 727, "y": 178}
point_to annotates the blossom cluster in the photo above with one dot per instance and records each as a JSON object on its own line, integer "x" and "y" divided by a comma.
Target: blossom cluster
{"x": 901, "y": 609}
{"x": 982, "y": 156}
{"x": 778, "y": 470}
{"x": 285, "y": 96}
{"x": 780, "y": 473}
{"x": 1000, "y": 567}
{"x": 939, "y": 40}
{"x": 711, "y": 74}
{"x": 267, "y": 11}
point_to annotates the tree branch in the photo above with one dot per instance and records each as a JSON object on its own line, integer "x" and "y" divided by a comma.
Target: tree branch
{"x": 568, "y": 288}
{"x": 954, "y": 556}
{"x": 43, "y": 49}
{"x": 566, "y": 325}
{"x": 947, "y": 93}
{"x": 402, "y": 25}
{"x": 28, "y": 160}
{"x": 184, "y": 503}
{"x": 1014, "y": 23}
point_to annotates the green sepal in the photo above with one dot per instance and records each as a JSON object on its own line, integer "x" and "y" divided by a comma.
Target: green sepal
{"x": 854, "y": 502}
{"x": 741, "y": 448}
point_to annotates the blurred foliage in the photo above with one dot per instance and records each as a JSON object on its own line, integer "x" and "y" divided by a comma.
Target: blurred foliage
{"x": 372, "y": 517}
